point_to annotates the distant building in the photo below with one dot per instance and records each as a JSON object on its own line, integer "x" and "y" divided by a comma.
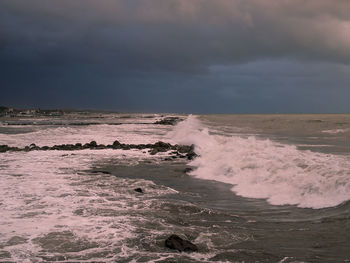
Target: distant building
{"x": 30, "y": 111}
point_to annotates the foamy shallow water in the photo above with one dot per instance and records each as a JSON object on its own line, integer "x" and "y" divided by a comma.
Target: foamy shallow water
{"x": 48, "y": 193}
{"x": 103, "y": 134}
{"x": 54, "y": 208}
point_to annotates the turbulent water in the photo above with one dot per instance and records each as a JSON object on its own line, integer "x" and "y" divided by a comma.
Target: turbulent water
{"x": 264, "y": 188}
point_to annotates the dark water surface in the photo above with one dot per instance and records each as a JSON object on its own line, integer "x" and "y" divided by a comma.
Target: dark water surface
{"x": 319, "y": 132}
{"x": 240, "y": 229}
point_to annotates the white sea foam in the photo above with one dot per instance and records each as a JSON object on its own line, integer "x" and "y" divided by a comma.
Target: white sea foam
{"x": 258, "y": 168}
{"x": 102, "y": 134}
{"x": 46, "y": 192}
{"x": 336, "y": 131}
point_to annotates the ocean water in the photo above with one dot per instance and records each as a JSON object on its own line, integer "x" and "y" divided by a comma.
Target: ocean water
{"x": 264, "y": 188}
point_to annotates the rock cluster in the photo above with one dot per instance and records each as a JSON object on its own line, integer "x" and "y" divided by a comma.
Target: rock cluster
{"x": 180, "y": 151}
{"x": 168, "y": 121}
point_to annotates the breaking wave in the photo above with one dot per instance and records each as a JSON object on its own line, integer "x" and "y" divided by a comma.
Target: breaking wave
{"x": 261, "y": 168}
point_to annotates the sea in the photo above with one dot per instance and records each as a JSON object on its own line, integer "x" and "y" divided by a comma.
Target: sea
{"x": 263, "y": 188}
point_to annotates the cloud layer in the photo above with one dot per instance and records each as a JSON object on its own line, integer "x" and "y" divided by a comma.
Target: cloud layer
{"x": 120, "y": 40}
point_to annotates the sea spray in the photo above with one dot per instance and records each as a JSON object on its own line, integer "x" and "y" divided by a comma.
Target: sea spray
{"x": 261, "y": 168}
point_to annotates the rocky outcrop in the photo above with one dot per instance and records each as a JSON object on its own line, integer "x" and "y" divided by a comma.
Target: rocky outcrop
{"x": 178, "y": 151}
{"x": 6, "y": 148}
{"x": 168, "y": 121}
{"x": 160, "y": 147}
{"x": 179, "y": 244}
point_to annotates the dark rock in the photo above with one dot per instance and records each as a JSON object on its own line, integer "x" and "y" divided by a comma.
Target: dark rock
{"x": 181, "y": 151}
{"x": 154, "y": 151}
{"x": 160, "y": 147}
{"x": 67, "y": 147}
{"x": 93, "y": 144}
{"x": 183, "y": 148}
{"x": 125, "y": 146}
{"x": 4, "y": 148}
{"x": 191, "y": 155}
{"x": 139, "y": 190}
{"x": 161, "y": 144}
{"x": 86, "y": 146}
{"x": 116, "y": 144}
{"x": 101, "y": 146}
{"x": 168, "y": 121}
{"x": 15, "y": 149}
{"x": 78, "y": 145}
{"x": 33, "y": 147}
{"x": 179, "y": 244}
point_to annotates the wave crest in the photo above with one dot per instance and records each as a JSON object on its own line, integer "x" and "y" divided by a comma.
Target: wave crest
{"x": 279, "y": 173}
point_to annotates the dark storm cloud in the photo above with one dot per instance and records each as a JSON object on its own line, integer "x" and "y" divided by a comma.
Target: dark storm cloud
{"x": 177, "y": 34}
{"x": 146, "y": 48}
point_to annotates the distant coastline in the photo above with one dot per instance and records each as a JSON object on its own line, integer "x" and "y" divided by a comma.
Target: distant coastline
{"x": 38, "y": 112}
{"x": 14, "y": 112}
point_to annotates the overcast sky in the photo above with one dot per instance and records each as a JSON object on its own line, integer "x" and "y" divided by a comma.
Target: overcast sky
{"x": 200, "y": 56}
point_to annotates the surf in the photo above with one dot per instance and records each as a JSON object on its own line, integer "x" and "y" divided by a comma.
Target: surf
{"x": 263, "y": 168}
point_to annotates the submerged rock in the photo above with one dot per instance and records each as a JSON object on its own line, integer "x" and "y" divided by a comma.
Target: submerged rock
{"x": 188, "y": 170}
{"x": 179, "y": 244}
{"x": 16, "y": 240}
{"x": 63, "y": 242}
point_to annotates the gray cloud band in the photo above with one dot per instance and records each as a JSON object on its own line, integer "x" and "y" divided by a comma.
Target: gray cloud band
{"x": 181, "y": 35}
